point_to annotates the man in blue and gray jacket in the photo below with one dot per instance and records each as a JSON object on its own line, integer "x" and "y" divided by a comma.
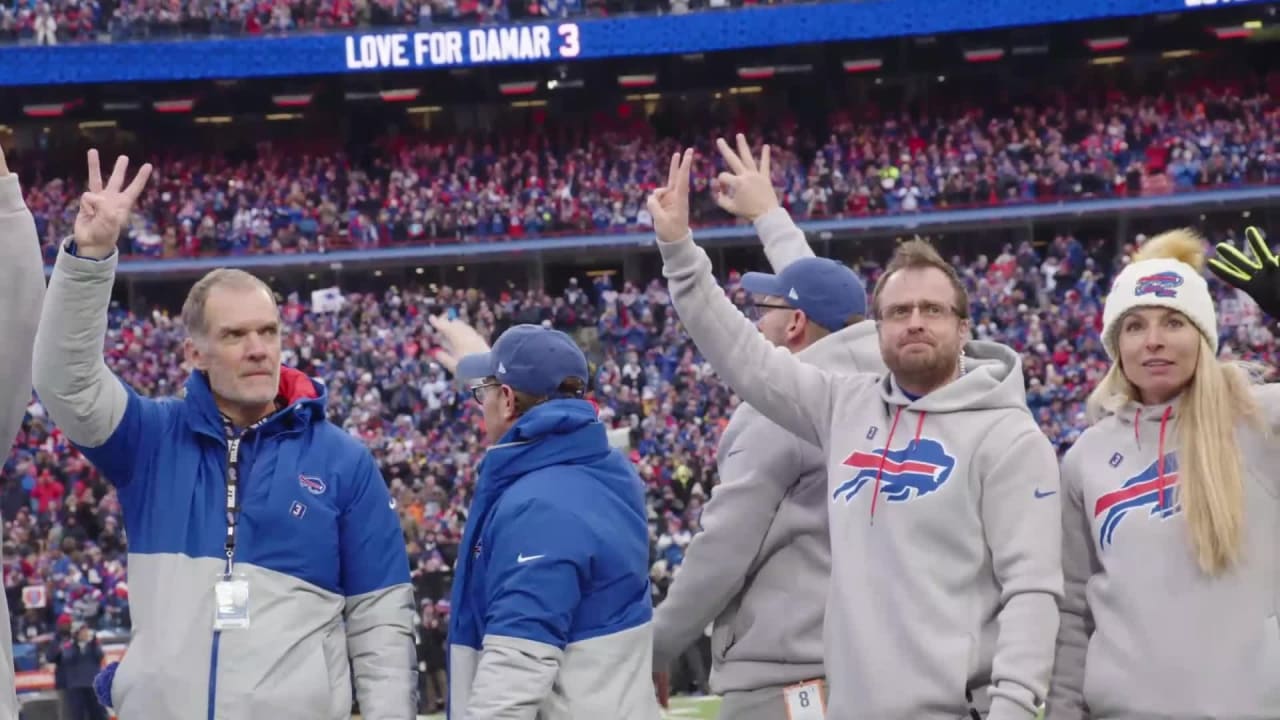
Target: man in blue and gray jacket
{"x": 551, "y": 608}
{"x": 266, "y": 561}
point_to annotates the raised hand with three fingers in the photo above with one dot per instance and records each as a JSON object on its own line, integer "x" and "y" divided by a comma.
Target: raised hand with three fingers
{"x": 1258, "y": 277}
{"x": 747, "y": 192}
{"x": 669, "y": 204}
{"x": 104, "y": 209}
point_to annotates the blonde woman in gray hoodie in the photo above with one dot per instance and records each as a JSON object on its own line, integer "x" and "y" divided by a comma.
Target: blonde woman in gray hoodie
{"x": 1171, "y": 506}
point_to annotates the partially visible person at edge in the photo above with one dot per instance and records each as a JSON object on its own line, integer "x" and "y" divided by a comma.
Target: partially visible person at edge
{"x": 764, "y": 550}
{"x": 266, "y": 561}
{"x": 551, "y": 606}
{"x": 942, "y": 491}
{"x": 1171, "y": 507}
{"x": 21, "y": 295}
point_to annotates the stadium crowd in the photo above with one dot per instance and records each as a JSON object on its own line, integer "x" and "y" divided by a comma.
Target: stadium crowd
{"x": 65, "y": 554}
{"x": 52, "y": 22}
{"x": 419, "y": 189}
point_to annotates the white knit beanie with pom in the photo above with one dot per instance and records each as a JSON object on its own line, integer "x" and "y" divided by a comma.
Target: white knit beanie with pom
{"x": 1167, "y": 272}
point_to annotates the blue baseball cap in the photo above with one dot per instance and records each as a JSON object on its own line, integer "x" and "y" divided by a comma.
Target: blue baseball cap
{"x": 827, "y": 291}
{"x": 529, "y": 358}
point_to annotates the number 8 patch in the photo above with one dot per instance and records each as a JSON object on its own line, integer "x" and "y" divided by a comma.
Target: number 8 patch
{"x": 805, "y": 701}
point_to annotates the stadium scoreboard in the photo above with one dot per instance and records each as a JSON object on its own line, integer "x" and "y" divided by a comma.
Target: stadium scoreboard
{"x": 455, "y": 48}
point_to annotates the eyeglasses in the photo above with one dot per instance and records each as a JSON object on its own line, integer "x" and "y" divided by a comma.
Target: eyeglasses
{"x": 478, "y": 387}
{"x": 756, "y": 310}
{"x": 902, "y": 312}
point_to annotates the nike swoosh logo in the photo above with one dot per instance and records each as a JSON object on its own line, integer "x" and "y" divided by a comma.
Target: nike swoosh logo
{"x": 1042, "y": 494}
{"x": 522, "y": 558}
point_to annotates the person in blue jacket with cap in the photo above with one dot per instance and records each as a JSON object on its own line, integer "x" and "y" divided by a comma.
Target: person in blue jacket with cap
{"x": 551, "y": 605}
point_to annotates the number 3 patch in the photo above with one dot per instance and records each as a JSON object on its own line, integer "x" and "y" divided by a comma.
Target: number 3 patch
{"x": 805, "y": 701}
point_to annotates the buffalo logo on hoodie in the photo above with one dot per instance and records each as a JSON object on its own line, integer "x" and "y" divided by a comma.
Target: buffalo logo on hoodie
{"x": 1147, "y": 488}
{"x": 915, "y": 470}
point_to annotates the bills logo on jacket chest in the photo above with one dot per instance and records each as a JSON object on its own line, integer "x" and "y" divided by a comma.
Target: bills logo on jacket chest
{"x": 1151, "y": 493}
{"x": 921, "y": 466}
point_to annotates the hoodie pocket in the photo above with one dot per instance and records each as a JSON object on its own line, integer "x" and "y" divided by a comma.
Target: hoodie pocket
{"x": 297, "y": 687}
{"x": 722, "y": 639}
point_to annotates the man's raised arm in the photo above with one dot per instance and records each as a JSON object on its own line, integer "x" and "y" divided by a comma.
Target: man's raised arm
{"x": 21, "y": 293}
{"x": 789, "y": 392}
{"x": 83, "y": 397}
{"x": 747, "y": 192}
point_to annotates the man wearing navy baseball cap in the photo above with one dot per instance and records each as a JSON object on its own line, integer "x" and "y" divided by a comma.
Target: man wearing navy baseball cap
{"x": 764, "y": 551}
{"x": 828, "y": 293}
{"x": 551, "y": 608}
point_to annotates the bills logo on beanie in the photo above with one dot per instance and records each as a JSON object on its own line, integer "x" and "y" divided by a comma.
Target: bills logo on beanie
{"x": 1163, "y": 284}
{"x": 1165, "y": 272}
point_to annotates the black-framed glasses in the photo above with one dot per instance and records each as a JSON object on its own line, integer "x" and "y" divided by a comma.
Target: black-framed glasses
{"x": 756, "y": 310}
{"x": 478, "y": 387}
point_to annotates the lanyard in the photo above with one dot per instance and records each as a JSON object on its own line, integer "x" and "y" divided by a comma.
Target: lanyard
{"x": 233, "y": 500}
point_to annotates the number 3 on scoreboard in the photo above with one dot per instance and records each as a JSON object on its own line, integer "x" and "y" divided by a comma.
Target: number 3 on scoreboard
{"x": 805, "y": 701}
{"x": 569, "y": 46}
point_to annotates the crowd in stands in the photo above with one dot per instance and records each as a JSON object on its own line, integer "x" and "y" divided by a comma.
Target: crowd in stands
{"x": 53, "y": 22}
{"x": 63, "y": 546}
{"x": 420, "y": 188}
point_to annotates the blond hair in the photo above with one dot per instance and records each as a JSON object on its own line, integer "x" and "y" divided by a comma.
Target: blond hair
{"x": 1210, "y": 471}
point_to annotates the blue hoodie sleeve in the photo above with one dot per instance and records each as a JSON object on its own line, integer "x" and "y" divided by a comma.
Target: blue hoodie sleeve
{"x": 539, "y": 559}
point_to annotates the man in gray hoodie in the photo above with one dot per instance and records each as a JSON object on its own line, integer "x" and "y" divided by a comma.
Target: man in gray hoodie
{"x": 21, "y": 295}
{"x": 767, "y": 605}
{"x": 942, "y": 491}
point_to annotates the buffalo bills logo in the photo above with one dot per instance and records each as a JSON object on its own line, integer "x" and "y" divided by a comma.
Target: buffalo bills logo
{"x": 1164, "y": 284}
{"x": 1138, "y": 492}
{"x": 917, "y": 469}
{"x": 313, "y": 485}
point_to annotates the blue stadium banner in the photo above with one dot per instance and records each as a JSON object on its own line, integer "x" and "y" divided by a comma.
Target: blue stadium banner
{"x": 427, "y": 48}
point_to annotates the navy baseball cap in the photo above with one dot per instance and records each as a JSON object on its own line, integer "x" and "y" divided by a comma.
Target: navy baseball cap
{"x": 529, "y": 358}
{"x": 827, "y": 291}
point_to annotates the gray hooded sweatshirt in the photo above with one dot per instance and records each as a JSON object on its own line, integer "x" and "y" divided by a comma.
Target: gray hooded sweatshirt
{"x": 1144, "y": 632}
{"x": 21, "y": 295}
{"x": 944, "y": 516}
{"x": 761, "y": 564}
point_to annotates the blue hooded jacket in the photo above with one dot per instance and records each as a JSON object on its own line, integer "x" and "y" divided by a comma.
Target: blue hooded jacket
{"x": 555, "y": 557}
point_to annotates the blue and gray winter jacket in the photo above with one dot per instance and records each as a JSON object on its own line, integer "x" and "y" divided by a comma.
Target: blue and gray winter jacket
{"x": 551, "y": 606}
{"x": 318, "y": 537}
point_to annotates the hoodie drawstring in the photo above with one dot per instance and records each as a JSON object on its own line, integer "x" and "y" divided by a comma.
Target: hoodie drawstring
{"x": 884, "y": 454}
{"x": 1164, "y": 423}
